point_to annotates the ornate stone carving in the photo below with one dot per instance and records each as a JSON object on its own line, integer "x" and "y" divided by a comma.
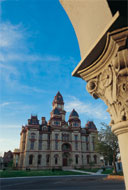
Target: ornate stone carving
{"x": 111, "y": 85}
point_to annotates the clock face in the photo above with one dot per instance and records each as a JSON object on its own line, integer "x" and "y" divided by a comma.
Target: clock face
{"x": 59, "y": 106}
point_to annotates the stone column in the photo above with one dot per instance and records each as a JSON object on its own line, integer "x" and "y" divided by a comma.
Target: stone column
{"x": 107, "y": 78}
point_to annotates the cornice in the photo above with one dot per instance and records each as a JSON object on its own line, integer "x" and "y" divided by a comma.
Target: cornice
{"x": 116, "y": 41}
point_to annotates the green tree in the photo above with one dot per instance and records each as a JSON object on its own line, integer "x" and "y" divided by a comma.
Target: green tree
{"x": 107, "y": 145}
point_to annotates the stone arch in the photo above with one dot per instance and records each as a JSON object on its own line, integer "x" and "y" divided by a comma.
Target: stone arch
{"x": 66, "y": 147}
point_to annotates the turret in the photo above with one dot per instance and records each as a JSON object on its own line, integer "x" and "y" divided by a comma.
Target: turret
{"x": 58, "y": 101}
{"x": 90, "y": 127}
{"x": 74, "y": 120}
{"x": 33, "y": 121}
{"x": 58, "y": 107}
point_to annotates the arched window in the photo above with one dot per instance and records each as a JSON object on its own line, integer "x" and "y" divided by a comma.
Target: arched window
{"x": 30, "y": 159}
{"x": 95, "y": 159}
{"x": 88, "y": 159}
{"x": 33, "y": 135}
{"x": 66, "y": 147}
{"x": 75, "y": 124}
{"x": 76, "y": 157}
{"x": 39, "y": 159}
{"x": 47, "y": 159}
{"x": 56, "y": 159}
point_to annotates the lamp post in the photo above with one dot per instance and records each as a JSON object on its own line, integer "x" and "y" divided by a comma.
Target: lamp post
{"x": 102, "y": 32}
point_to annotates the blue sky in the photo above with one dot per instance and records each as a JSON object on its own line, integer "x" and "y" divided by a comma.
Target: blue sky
{"x": 38, "y": 52}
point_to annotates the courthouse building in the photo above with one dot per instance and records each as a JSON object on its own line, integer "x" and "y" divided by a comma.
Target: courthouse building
{"x": 57, "y": 143}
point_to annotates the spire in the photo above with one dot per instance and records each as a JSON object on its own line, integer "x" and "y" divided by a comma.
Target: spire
{"x": 74, "y": 114}
{"x": 58, "y": 99}
{"x": 74, "y": 120}
{"x": 90, "y": 125}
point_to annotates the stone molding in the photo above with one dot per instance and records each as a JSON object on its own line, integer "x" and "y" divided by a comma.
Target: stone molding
{"x": 120, "y": 128}
{"x": 107, "y": 78}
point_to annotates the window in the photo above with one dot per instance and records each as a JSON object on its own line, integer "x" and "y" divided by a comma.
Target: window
{"x": 48, "y": 142}
{"x": 75, "y": 124}
{"x": 95, "y": 159}
{"x": 48, "y": 137}
{"x": 56, "y": 122}
{"x": 56, "y": 145}
{"x": 40, "y": 136}
{"x": 76, "y": 157}
{"x": 32, "y": 145}
{"x": 56, "y": 141}
{"x": 39, "y": 159}
{"x": 40, "y": 145}
{"x": 33, "y": 135}
{"x": 76, "y": 146}
{"x": 93, "y": 143}
{"x": 48, "y": 145}
{"x": 56, "y": 136}
{"x": 59, "y": 106}
{"x": 87, "y": 139}
{"x": 86, "y": 146}
{"x": 88, "y": 159}
{"x": 65, "y": 137}
{"x": 66, "y": 147}
{"x": 34, "y": 122}
{"x": 47, "y": 159}
{"x": 87, "y": 142}
{"x": 30, "y": 159}
{"x": 76, "y": 137}
{"x": 56, "y": 159}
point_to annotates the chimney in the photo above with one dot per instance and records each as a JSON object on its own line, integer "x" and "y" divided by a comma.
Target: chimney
{"x": 43, "y": 120}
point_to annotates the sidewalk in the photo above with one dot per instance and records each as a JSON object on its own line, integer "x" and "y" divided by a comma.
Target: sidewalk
{"x": 89, "y": 173}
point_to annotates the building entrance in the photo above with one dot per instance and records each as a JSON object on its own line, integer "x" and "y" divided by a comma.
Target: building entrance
{"x": 65, "y": 162}
{"x": 66, "y": 159}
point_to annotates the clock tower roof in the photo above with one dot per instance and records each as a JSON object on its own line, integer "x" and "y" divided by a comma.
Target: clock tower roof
{"x": 58, "y": 99}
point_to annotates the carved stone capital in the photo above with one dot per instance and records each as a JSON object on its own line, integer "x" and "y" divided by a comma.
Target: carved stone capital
{"x": 111, "y": 85}
{"x": 108, "y": 78}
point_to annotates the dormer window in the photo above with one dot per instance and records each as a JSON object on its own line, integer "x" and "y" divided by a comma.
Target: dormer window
{"x": 75, "y": 124}
{"x": 34, "y": 122}
{"x": 44, "y": 127}
{"x": 57, "y": 123}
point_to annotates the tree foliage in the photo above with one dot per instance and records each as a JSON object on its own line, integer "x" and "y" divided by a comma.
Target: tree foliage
{"x": 107, "y": 144}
